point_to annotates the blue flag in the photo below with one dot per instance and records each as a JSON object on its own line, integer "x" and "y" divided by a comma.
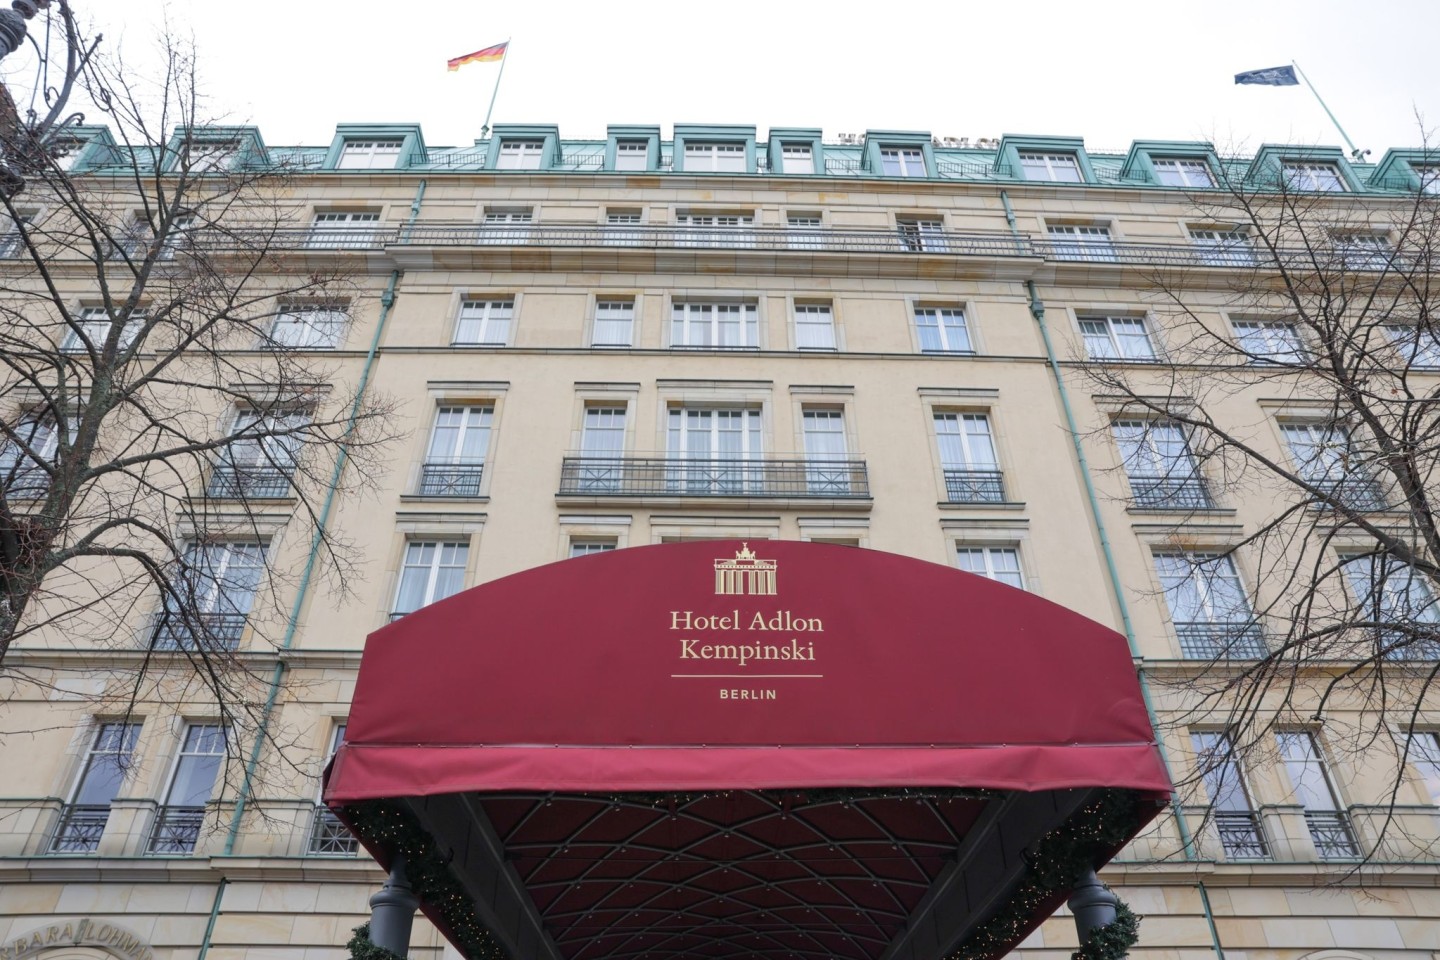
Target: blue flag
{"x": 1270, "y": 77}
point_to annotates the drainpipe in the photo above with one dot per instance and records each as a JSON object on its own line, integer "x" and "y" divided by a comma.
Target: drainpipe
{"x": 1037, "y": 310}
{"x": 210, "y": 924}
{"x": 387, "y": 300}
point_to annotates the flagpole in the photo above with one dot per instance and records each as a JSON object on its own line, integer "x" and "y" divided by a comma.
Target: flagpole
{"x": 485, "y": 128}
{"x": 1356, "y": 154}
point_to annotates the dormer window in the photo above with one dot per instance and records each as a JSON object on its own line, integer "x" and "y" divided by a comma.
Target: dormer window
{"x": 1316, "y": 177}
{"x": 1055, "y": 167}
{"x": 902, "y": 161}
{"x": 520, "y": 154}
{"x": 211, "y": 156}
{"x": 1429, "y": 174}
{"x": 632, "y": 155}
{"x": 1183, "y": 172}
{"x": 65, "y": 152}
{"x": 797, "y": 158}
{"x": 369, "y": 155}
{"x": 715, "y": 157}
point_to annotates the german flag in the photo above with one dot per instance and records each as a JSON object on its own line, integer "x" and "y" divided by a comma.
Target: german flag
{"x": 488, "y": 55}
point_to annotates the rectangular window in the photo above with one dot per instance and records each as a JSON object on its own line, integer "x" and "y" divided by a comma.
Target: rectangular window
{"x": 713, "y": 451}
{"x": 1117, "y": 338}
{"x": 339, "y": 231}
{"x": 520, "y": 154}
{"x": 1420, "y": 347}
{"x": 614, "y": 323}
{"x": 1182, "y": 172}
{"x": 211, "y": 156}
{"x": 455, "y": 460}
{"x": 602, "y": 445}
{"x": 1393, "y": 593}
{"x": 431, "y": 571}
{"x": 369, "y": 155}
{"x": 1326, "y": 457}
{"x": 260, "y": 461}
{"x": 25, "y": 460}
{"x": 623, "y": 228}
{"x": 902, "y": 161}
{"x": 1001, "y": 564}
{"x": 1424, "y": 754}
{"x": 1363, "y": 251}
{"x": 922, "y": 236}
{"x": 1073, "y": 242}
{"x": 484, "y": 323}
{"x": 1208, "y": 606}
{"x": 797, "y": 158}
{"x": 12, "y": 242}
{"x": 942, "y": 330}
{"x": 803, "y": 232}
{"x": 1223, "y": 248}
{"x": 1055, "y": 167}
{"x": 827, "y": 470}
{"x": 1429, "y": 174}
{"x": 1269, "y": 342}
{"x": 714, "y": 158}
{"x": 177, "y": 823}
{"x": 95, "y": 326}
{"x": 1311, "y": 786}
{"x": 210, "y": 596}
{"x": 814, "y": 327}
{"x": 967, "y": 458}
{"x": 309, "y": 326}
{"x": 715, "y": 230}
{"x": 1241, "y": 835}
{"x": 632, "y": 155}
{"x": 328, "y": 836}
{"x": 506, "y": 227}
{"x": 725, "y": 326}
{"x": 1321, "y": 177}
{"x": 66, "y": 152}
{"x": 590, "y": 546}
{"x": 107, "y": 764}
{"x": 1162, "y": 471}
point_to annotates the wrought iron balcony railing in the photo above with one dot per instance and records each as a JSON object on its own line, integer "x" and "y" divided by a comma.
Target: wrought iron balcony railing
{"x": 713, "y": 477}
{"x": 1220, "y": 641}
{"x": 25, "y": 481}
{"x": 1171, "y": 493}
{"x": 329, "y": 837}
{"x": 1242, "y": 836}
{"x": 451, "y": 478}
{"x": 213, "y": 631}
{"x": 974, "y": 486}
{"x": 80, "y": 828}
{"x": 1332, "y": 834}
{"x": 176, "y": 830}
{"x": 1356, "y": 492}
{"x": 230, "y": 482}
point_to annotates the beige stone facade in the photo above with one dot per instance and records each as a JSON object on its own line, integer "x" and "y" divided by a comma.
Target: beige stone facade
{"x": 541, "y": 382}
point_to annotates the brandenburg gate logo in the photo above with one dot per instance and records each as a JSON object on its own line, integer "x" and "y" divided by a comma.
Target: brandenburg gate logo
{"x": 747, "y": 573}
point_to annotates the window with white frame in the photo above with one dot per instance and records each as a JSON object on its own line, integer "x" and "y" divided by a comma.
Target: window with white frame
{"x": 632, "y": 154}
{"x": 506, "y": 227}
{"x": 1117, "y": 338}
{"x": 178, "y": 822}
{"x": 344, "y": 230}
{"x": 922, "y": 236}
{"x": 484, "y": 323}
{"x": 309, "y": 326}
{"x": 1158, "y": 462}
{"x": 1223, "y": 247}
{"x": 329, "y": 837}
{"x": 65, "y": 152}
{"x": 589, "y": 546}
{"x": 1318, "y": 177}
{"x": 942, "y": 330}
{"x": 1208, "y": 605}
{"x": 1423, "y": 753}
{"x": 803, "y": 232}
{"x": 1269, "y": 342}
{"x": 1001, "y": 564}
{"x": 12, "y": 241}
{"x": 108, "y": 763}
{"x": 260, "y": 461}
{"x": 827, "y": 470}
{"x": 178, "y": 237}
{"x": 967, "y": 457}
{"x": 210, "y": 596}
{"x": 715, "y": 230}
{"x": 432, "y": 570}
{"x": 1055, "y": 167}
{"x": 623, "y": 228}
{"x": 602, "y": 445}
{"x": 1241, "y": 835}
{"x": 1314, "y": 791}
{"x": 520, "y": 154}
{"x": 814, "y": 326}
{"x": 797, "y": 158}
{"x": 1419, "y": 346}
{"x": 1362, "y": 250}
{"x": 714, "y": 157}
{"x": 902, "y": 161}
{"x": 26, "y": 458}
{"x": 1400, "y": 600}
{"x": 714, "y": 450}
{"x": 455, "y": 459}
{"x": 726, "y": 326}
{"x": 614, "y": 323}
{"x": 95, "y": 325}
{"x": 1429, "y": 174}
{"x": 211, "y": 156}
{"x": 380, "y": 154}
{"x": 1183, "y": 172}
{"x": 1327, "y": 458}
{"x": 1081, "y": 242}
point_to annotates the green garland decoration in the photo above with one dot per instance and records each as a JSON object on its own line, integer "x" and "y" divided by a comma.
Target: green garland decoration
{"x": 361, "y": 947}
{"x": 1114, "y": 940}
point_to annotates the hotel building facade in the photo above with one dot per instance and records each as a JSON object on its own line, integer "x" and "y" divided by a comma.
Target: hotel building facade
{"x": 885, "y": 342}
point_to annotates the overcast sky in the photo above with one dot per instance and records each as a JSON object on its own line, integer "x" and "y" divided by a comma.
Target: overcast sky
{"x": 1110, "y": 72}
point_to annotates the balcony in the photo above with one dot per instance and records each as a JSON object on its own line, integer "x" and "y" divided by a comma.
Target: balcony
{"x": 1332, "y": 834}
{"x": 80, "y": 829}
{"x": 974, "y": 486}
{"x": 1241, "y": 835}
{"x": 754, "y": 477}
{"x": 1355, "y": 492}
{"x": 230, "y": 482}
{"x": 1170, "y": 493}
{"x": 329, "y": 837}
{"x": 451, "y": 478}
{"x": 176, "y": 831}
{"x": 212, "y": 631}
{"x": 1220, "y": 641}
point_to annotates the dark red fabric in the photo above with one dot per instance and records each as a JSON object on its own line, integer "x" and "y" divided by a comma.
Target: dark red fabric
{"x": 565, "y": 677}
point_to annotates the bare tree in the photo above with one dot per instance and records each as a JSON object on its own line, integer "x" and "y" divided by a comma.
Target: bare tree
{"x": 1301, "y": 377}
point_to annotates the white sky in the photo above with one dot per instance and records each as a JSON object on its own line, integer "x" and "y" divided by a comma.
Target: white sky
{"x": 1109, "y": 71}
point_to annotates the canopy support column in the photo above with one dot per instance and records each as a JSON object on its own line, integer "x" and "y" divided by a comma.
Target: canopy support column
{"x": 392, "y": 910}
{"x": 1092, "y": 904}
